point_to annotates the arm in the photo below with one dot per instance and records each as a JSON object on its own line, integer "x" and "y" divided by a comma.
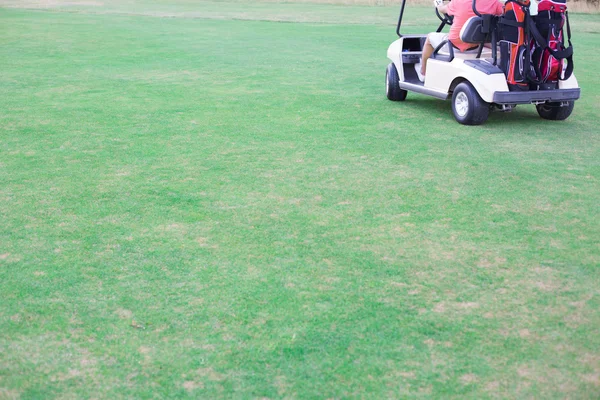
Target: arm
{"x": 441, "y": 7}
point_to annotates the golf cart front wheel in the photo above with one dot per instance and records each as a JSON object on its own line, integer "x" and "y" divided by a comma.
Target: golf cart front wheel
{"x": 555, "y": 111}
{"x": 467, "y": 105}
{"x": 392, "y": 88}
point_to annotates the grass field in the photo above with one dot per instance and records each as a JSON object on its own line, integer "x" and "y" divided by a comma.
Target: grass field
{"x": 218, "y": 205}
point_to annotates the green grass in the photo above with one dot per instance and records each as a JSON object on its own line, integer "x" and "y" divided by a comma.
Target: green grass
{"x": 211, "y": 207}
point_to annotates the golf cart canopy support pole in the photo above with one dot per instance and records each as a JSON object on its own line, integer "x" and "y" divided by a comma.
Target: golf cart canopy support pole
{"x": 400, "y": 18}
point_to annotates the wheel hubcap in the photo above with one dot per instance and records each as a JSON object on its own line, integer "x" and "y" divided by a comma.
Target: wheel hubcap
{"x": 461, "y": 104}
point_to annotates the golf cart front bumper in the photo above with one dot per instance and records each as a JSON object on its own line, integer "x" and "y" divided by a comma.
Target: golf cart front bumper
{"x": 536, "y": 96}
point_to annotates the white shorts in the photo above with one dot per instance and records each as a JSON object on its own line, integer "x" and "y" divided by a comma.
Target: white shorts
{"x": 436, "y": 38}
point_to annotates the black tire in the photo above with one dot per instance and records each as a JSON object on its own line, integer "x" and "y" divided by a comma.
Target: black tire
{"x": 554, "y": 112}
{"x": 467, "y": 105}
{"x": 392, "y": 89}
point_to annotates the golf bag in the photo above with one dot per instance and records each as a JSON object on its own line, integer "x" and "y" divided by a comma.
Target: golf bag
{"x": 548, "y": 51}
{"x": 515, "y": 51}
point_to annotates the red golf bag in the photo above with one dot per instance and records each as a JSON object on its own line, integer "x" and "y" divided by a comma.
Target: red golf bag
{"x": 515, "y": 52}
{"x": 548, "y": 50}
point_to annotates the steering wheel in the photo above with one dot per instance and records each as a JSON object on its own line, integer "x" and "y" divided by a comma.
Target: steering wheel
{"x": 445, "y": 18}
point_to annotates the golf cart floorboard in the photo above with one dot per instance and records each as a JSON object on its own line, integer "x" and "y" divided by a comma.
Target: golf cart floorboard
{"x": 418, "y": 87}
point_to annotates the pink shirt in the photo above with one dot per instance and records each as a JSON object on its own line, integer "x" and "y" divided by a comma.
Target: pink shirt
{"x": 462, "y": 10}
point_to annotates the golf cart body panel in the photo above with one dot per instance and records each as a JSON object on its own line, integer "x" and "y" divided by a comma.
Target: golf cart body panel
{"x": 570, "y": 83}
{"x": 405, "y": 51}
{"x": 444, "y": 76}
{"x": 441, "y": 76}
{"x": 393, "y": 53}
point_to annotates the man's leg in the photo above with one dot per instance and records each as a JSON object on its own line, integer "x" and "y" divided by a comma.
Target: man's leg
{"x": 433, "y": 40}
{"x": 427, "y": 52}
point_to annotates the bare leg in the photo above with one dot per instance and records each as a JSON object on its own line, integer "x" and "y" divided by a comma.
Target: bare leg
{"x": 427, "y": 52}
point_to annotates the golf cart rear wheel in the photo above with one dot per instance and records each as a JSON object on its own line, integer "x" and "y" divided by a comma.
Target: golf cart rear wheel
{"x": 392, "y": 88}
{"x": 554, "y": 111}
{"x": 467, "y": 105}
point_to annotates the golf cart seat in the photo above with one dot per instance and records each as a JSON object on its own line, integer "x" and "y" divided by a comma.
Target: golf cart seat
{"x": 478, "y": 30}
{"x": 468, "y": 54}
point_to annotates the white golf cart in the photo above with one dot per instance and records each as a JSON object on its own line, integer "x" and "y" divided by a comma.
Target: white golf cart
{"x": 471, "y": 79}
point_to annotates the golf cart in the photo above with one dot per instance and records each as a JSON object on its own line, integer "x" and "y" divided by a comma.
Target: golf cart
{"x": 472, "y": 79}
